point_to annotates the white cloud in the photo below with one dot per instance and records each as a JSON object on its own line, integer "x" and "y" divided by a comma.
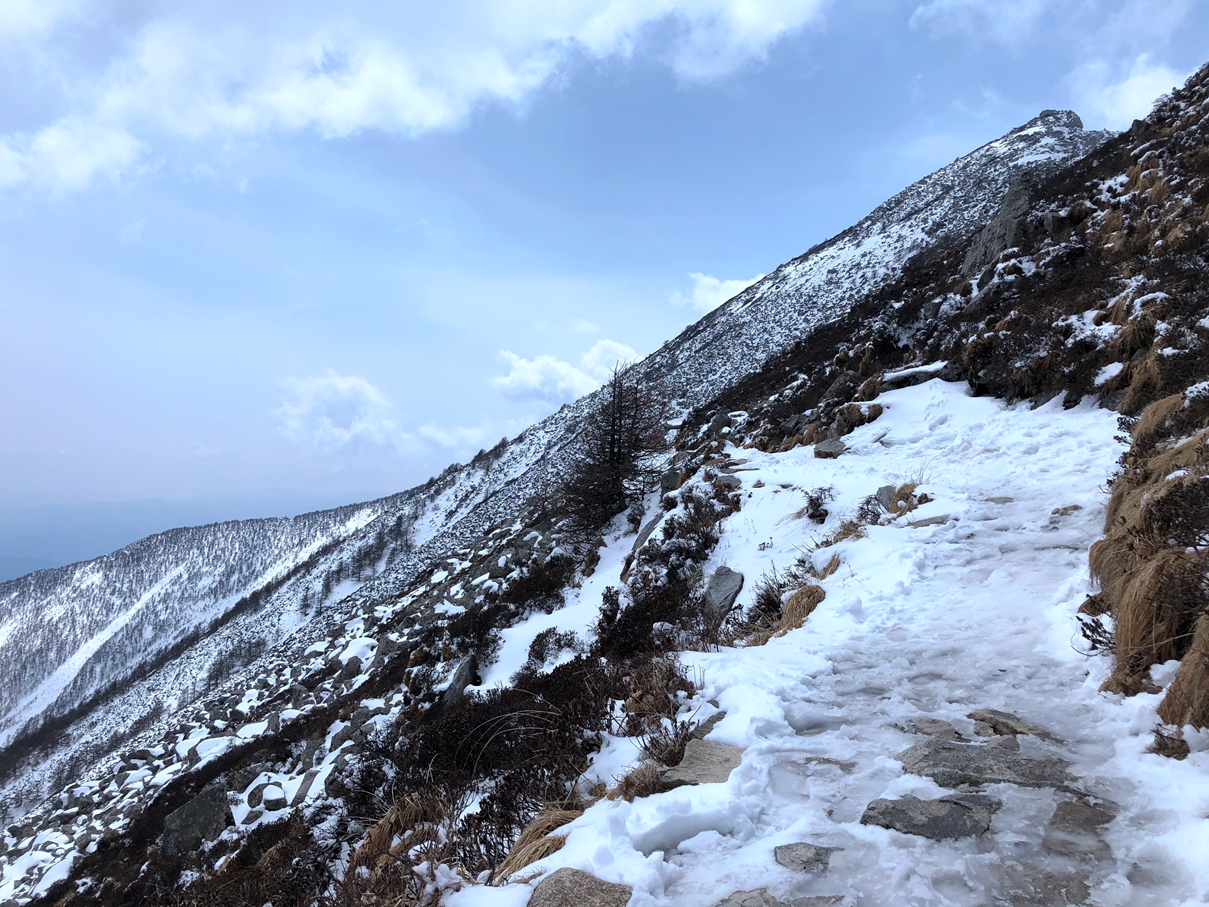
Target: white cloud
{"x": 1007, "y": 21}
{"x": 583, "y": 326}
{"x": 709, "y": 292}
{"x": 333, "y": 411}
{"x": 408, "y": 70}
{"x": 548, "y": 378}
{"x": 1117, "y": 100}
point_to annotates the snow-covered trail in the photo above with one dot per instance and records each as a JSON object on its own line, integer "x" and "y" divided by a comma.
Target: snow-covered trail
{"x": 966, "y": 603}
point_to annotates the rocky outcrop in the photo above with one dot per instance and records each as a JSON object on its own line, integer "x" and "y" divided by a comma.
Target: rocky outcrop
{"x": 201, "y": 819}
{"x": 568, "y": 887}
{"x": 954, "y": 816}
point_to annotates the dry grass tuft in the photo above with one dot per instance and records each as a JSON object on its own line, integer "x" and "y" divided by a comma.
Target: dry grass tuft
{"x": 536, "y": 842}
{"x": 641, "y": 782}
{"x": 799, "y": 606}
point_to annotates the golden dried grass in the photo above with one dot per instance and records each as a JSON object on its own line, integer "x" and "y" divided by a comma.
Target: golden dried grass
{"x": 640, "y": 782}
{"x": 799, "y": 606}
{"x": 1187, "y": 699}
{"x": 536, "y": 842}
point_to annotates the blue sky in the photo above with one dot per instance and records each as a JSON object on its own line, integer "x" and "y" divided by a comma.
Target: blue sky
{"x": 262, "y": 257}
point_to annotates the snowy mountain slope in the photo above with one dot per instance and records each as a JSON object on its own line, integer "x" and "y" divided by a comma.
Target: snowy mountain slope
{"x": 68, "y": 633}
{"x": 450, "y": 521}
{"x": 167, "y": 587}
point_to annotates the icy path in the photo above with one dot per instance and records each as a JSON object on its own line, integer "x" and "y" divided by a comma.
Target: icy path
{"x": 975, "y": 611}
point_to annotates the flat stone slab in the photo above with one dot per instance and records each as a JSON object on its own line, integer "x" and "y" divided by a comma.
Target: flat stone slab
{"x": 568, "y": 887}
{"x": 804, "y": 857}
{"x": 705, "y": 762}
{"x": 758, "y": 897}
{"x": 1005, "y": 723}
{"x": 934, "y": 727}
{"x": 1074, "y": 829}
{"x": 953, "y": 816}
{"x": 829, "y": 449}
{"x": 724, "y": 587}
{"x": 952, "y": 764}
{"x": 200, "y": 820}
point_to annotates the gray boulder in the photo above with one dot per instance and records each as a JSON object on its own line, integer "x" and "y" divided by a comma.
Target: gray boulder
{"x": 645, "y": 532}
{"x": 952, "y": 764}
{"x": 201, "y": 819}
{"x": 1074, "y": 829}
{"x": 669, "y": 481}
{"x": 954, "y": 816}
{"x": 705, "y": 762}
{"x": 463, "y": 674}
{"x": 274, "y": 798}
{"x": 885, "y": 495}
{"x": 934, "y": 727}
{"x": 724, "y": 587}
{"x": 1005, "y": 723}
{"x": 803, "y": 857}
{"x": 829, "y": 449}
{"x": 756, "y": 898}
{"x": 568, "y": 887}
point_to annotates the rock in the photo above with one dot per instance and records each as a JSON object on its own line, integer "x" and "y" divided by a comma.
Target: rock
{"x": 645, "y": 532}
{"x": 952, "y": 764}
{"x": 721, "y": 421}
{"x": 273, "y": 798}
{"x": 1006, "y": 743}
{"x": 351, "y": 668}
{"x": 724, "y": 587}
{"x": 829, "y": 449}
{"x": 461, "y": 677}
{"x": 568, "y": 887}
{"x": 386, "y": 646}
{"x": 1005, "y": 230}
{"x": 669, "y": 482}
{"x": 757, "y": 898}
{"x": 1074, "y": 829}
{"x": 885, "y": 495}
{"x": 953, "y": 816}
{"x": 705, "y": 762}
{"x": 252, "y": 816}
{"x": 841, "y": 388}
{"x": 701, "y": 731}
{"x": 731, "y": 482}
{"x": 1031, "y": 886}
{"x": 305, "y": 787}
{"x": 273, "y": 722}
{"x": 201, "y": 819}
{"x": 1005, "y": 723}
{"x": 934, "y": 727}
{"x": 939, "y": 520}
{"x": 803, "y": 857}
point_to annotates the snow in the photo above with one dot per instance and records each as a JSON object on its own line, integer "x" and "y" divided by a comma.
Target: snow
{"x": 362, "y": 647}
{"x": 1109, "y": 372}
{"x": 921, "y": 620}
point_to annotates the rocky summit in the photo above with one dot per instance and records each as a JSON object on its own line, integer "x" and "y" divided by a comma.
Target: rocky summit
{"x": 904, "y": 601}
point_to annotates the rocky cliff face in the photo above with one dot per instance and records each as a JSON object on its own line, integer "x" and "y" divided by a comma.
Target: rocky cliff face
{"x": 324, "y": 637}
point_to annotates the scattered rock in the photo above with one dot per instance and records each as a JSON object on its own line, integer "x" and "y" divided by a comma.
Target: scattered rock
{"x": 724, "y": 587}
{"x": 1001, "y": 499}
{"x": 351, "y": 668}
{"x": 953, "y": 816}
{"x": 645, "y": 532}
{"x": 568, "y": 887}
{"x": 829, "y": 449}
{"x": 757, "y": 898}
{"x": 1006, "y": 742}
{"x": 669, "y": 481}
{"x": 934, "y": 727}
{"x": 252, "y": 816}
{"x": 885, "y": 495}
{"x": 803, "y": 857}
{"x": 386, "y": 646}
{"x": 1030, "y": 886}
{"x": 461, "y": 677}
{"x": 952, "y": 764}
{"x": 931, "y": 521}
{"x": 273, "y": 798}
{"x": 304, "y": 787}
{"x": 1005, "y": 723}
{"x": 731, "y": 482}
{"x": 201, "y": 819}
{"x": 1074, "y": 829}
{"x": 705, "y": 762}
{"x": 701, "y": 731}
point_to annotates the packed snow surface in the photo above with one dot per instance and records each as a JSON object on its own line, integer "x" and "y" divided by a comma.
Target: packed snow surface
{"x": 967, "y": 602}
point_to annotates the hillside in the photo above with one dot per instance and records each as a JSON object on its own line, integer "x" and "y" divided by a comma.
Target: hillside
{"x": 904, "y": 445}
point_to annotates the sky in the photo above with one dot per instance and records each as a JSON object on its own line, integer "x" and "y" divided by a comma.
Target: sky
{"x": 258, "y": 258}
